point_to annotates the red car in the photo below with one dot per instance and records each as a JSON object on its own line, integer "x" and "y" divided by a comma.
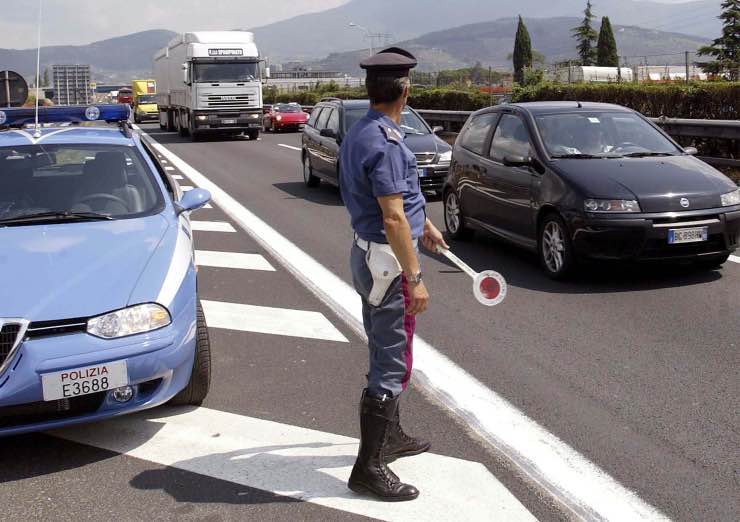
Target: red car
{"x": 284, "y": 116}
{"x": 126, "y": 95}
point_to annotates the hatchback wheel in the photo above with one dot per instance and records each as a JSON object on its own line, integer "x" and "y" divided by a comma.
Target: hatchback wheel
{"x": 555, "y": 248}
{"x": 454, "y": 219}
{"x": 308, "y": 177}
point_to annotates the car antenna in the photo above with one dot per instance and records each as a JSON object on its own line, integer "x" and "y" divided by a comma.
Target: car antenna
{"x": 37, "y": 132}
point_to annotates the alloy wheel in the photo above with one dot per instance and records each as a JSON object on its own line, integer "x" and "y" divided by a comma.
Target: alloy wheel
{"x": 553, "y": 246}
{"x": 452, "y": 213}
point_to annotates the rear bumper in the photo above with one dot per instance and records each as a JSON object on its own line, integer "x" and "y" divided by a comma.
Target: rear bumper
{"x": 645, "y": 236}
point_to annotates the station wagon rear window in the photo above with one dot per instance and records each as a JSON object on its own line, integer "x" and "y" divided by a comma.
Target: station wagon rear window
{"x": 110, "y": 181}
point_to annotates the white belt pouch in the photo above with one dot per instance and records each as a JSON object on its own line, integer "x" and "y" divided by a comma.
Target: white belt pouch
{"x": 384, "y": 268}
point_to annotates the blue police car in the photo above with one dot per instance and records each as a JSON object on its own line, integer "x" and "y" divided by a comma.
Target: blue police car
{"x": 99, "y": 313}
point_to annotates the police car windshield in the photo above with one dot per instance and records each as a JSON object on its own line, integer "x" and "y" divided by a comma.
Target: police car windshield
{"x": 228, "y": 72}
{"x": 110, "y": 181}
{"x": 410, "y": 122}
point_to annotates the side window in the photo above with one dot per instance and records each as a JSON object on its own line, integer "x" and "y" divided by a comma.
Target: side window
{"x": 314, "y": 116}
{"x": 510, "y": 139}
{"x": 321, "y": 122}
{"x": 476, "y": 132}
{"x": 333, "y": 122}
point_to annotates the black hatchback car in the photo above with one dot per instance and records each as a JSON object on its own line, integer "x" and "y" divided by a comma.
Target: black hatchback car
{"x": 332, "y": 118}
{"x": 574, "y": 180}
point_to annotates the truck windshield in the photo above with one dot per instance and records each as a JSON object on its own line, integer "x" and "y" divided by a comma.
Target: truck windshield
{"x": 146, "y": 98}
{"x": 226, "y": 72}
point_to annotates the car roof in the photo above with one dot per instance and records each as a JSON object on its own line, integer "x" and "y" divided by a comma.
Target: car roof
{"x": 552, "y": 107}
{"x": 55, "y": 135}
{"x": 347, "y": 104}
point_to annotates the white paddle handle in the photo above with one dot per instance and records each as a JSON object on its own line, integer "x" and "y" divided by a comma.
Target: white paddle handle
{"x": 462, "y": 265}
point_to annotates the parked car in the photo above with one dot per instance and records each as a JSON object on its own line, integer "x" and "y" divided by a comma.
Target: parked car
{"x": 332, "y": 118}
{"x": 100, "y": 314}
{"x": 284, "y": 116}
{"x": 574, "y": 180}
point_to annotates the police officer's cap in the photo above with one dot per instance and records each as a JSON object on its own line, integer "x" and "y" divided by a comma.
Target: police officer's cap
{"x": 393, "y": 61}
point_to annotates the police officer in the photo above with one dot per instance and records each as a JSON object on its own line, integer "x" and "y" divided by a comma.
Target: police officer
{"x": 380, "y": 188}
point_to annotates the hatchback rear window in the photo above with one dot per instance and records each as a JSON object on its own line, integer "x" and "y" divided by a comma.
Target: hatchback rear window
{"x": 105, "y": 179}
{"x": 475, "y": 134}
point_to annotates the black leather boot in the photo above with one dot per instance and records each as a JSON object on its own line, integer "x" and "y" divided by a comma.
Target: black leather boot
{"x": 401, "y": 445}
{"x": 370, "y": 473}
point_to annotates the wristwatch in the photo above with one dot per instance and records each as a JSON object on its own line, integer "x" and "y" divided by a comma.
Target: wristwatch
{"x": 414, "y": 279}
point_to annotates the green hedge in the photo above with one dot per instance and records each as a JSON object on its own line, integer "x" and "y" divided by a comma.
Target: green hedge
{"x": 716, "y": 101}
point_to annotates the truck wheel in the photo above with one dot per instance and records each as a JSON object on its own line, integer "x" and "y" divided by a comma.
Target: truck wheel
{"x": 162, "y": 126}
{"x": 200, "y": 380}
{"x": 253, "y": 134}
{"x": 181, "y": 129}
{"x": 170, "y": 121}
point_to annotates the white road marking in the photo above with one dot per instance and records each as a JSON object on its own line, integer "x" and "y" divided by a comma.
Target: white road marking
{"x": 169, "y": 168}
{"x": 735, "y": 259}
{"x": 268, "y": 320}
{"x": 212, "y": 226}
{"x": 575, "y": 482}
{"x": 207, "y": 205}
{"x": 177, "y": 176}
{"x": 232, "y": 260}
{"x": 186, "y": 188}
{"x": 308, "y": 465}
{"x": 288, "y": 146}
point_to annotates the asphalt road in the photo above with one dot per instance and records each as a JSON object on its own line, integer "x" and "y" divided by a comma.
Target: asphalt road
{"x": 635, "y": 368}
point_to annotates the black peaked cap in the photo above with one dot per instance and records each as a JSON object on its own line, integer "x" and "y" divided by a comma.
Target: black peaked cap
{"x": 393, "y": 61}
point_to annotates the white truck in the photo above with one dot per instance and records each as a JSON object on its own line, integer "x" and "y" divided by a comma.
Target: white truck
{"x": 210, "y": 82}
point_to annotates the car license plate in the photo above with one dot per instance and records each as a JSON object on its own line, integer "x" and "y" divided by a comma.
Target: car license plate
{"x": 687, "y": 235}
{"x": 422, "y": 172}
{"x": 84, "y": 381}
{"x": 228, "y": 122}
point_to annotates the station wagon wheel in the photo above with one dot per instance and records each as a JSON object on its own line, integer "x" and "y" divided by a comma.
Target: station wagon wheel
{"x": 555, "y": 248}
{"x": 308, "y": 177}
{"x": 454, "y": 219}
{"x": 200, "y": 379}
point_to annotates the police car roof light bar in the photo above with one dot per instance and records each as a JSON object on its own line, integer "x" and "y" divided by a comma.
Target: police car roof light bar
{"x": 108, "y": 113}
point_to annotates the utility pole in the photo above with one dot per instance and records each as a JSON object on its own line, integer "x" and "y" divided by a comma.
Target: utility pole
{"x": 490, "y": 86}
{"x": 686, "y": 53}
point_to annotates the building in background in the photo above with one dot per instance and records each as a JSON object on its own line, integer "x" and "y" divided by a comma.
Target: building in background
{"x": 303, "y": 79}
{"x": 72, "y": 84}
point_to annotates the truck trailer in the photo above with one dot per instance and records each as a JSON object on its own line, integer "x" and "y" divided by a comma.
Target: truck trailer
{"x": 210, "y": 82}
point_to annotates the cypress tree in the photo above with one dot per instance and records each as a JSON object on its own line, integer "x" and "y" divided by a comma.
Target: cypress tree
{"x": 726, "y": 49}
{"x": 607, "y": 55}
{"x": 522, "y": 57}
{"x": 586, "y": 35}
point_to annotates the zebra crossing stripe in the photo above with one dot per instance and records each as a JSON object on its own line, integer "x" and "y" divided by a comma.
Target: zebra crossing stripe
{"x": 232, "y": 260}
{"x": 212, "y": 226}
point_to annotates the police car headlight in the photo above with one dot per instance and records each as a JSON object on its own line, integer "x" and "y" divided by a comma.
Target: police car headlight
{"x": 731, "y": 198}
{"x": 129, "y": 321}
{"x": 445, "y": 157}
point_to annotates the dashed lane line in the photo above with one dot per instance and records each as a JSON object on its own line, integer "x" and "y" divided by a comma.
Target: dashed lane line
{"x": 291, "y": 147}
{"x": 212, "y": 226}
{"x": 232, "y": 260}
{"x": 169, "y": 168}
{"x": 269, "y": 320}
{"x": 735, "y": 259}
{"x": 177, "y": 176}
{"x": 308, "y": 465}
{"x": 576, "y": 483}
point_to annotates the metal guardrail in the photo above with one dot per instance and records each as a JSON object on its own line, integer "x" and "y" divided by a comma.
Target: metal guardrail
{"x": 677, "y": 127}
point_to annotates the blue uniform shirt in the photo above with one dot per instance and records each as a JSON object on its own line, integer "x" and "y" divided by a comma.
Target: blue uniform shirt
{"x": 376, "y": 162}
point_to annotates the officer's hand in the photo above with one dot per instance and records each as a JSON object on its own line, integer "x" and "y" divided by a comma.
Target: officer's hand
{"x": 419, "y": 299}
{"x": 433, "y": 238}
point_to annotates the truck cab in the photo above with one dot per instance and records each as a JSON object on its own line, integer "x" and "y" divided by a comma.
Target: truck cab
{"x": 210, "y": 83}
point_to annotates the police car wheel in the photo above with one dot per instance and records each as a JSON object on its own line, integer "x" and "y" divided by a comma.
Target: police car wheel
{"x": 308, "y": 177}
{"x": 200, "y": 380}
{"x": 454, "y": 219}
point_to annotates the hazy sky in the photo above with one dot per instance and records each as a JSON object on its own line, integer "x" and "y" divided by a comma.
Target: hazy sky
{"x": 84, "y": 21}
{"x": 72, "y": 22}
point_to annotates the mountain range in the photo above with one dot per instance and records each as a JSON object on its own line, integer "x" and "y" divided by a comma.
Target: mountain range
{"x": 491, "y": 43}
{"x": 316, "y": 35}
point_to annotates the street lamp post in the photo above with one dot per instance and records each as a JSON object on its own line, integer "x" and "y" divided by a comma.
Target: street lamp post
{"x": 367, "y": 34}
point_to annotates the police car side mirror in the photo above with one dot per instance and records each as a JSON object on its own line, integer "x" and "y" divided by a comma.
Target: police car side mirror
{"x": 328, "y": 133}
{"x": 437, "y": 129}
{"x": 192, "y": 200}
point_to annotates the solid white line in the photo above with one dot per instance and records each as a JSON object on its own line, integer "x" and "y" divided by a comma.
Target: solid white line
{"x": 735, "y": 259}
{"x": 578, "y": 484}
{"x": 176, "y": 176}
{"x": 232, "y": 260}
{"x": 288, "y": 146}
{"x": 212, "y": 226}
{"x": 308, "y": 465}
{"x": 268, "y": 320}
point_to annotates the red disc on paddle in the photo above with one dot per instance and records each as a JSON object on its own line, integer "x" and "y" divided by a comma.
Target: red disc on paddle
{"x": 490, "y": 288}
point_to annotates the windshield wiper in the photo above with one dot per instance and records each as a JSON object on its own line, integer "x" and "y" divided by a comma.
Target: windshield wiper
{"x": 582, "y": 156}
{"x": 56, "y": 215}
{"x": 647, "y": 154}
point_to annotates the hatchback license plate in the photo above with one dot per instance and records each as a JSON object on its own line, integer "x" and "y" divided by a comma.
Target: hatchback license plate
{"x": 687, "y": 235}
{"x": 84, "y": 381}
{"x": 228, "y": 122}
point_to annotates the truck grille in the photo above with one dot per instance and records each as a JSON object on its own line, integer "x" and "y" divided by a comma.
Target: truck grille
{"x": 425, "y": 158}
{"x": 236, "y": 101}
{"x": 9, "y": 333}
